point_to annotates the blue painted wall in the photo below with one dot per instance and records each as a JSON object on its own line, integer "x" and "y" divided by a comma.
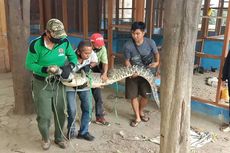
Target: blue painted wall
{"x": 213, "y": 47}
{"x": 211, "y": 111}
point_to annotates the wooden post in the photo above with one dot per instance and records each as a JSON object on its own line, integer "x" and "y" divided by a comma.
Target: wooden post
{"x": 118, "y": 12}
{"x": 204, "y": 27}
{"x": 4, "y": 51}
{"x": 161, "y": 15}
{"x": 110, "y": 33}
{"x": 224, "y": 53}
{"x": 85, "y": 19}
{"x": 150, "y": 17}
{"x": 140, "y": 9}
{"x": 18, "y": 28}
{"x": 134, "y": 10}
{"x": 180, "y": 32}
{"x": 219, "y": 20}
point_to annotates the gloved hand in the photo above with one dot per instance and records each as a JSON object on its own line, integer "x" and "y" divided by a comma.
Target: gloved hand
{"x": 66, "y": 71}
{"x": 53, "y": 69}
{"x": 86, "y": 68}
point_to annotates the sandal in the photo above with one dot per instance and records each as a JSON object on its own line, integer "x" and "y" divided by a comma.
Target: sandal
{"x": 134, "y": 123}
{"x": 144, "y": 118}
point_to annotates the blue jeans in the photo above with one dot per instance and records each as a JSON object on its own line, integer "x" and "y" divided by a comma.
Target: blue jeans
{"x": 98, "y": 102}
{"x": 72, "y": 110}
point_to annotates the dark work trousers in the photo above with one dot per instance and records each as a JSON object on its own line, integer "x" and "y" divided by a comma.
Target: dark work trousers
{"x": 49, "y": 100}
{"x": 99, "y": 109}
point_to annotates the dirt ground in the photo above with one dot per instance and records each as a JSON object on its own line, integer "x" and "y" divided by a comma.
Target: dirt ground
{"x": 19, "y": 134}
{"x": 200, "y": 87}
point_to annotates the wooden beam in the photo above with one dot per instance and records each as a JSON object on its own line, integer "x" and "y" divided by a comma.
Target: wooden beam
{"x": 224, "y": 53}
{"x": 110, "y": 33}
{"x": 216, "y": 17}
{"x": 64, "y": 14}
{"x": 4, "y": 51}
{"x": 85, "y": 19}
{"x": 198, "y": 99}
{"x": 203, "y": 55}
{"x": 215, "y": 38}
{"x": 122, "y": 26}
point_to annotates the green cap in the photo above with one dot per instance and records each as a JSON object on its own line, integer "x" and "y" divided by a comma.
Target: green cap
{"x": 56, "y": 28}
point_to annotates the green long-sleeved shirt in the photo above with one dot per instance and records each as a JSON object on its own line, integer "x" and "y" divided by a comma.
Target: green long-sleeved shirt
{"x": 39, "y": 57}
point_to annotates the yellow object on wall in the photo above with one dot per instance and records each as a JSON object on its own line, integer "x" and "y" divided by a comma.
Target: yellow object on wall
{"x": 209, "y": 12}
{"x": 224, "y": 94}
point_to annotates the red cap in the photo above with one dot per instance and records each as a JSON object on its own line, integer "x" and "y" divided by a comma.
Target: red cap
{"x": 97, "y": 40}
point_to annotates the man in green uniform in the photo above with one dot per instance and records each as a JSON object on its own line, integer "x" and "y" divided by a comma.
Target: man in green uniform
{"x": 46, "y": 58}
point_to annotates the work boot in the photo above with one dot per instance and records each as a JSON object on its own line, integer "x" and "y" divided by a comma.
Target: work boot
{"x": 46, "y": 144}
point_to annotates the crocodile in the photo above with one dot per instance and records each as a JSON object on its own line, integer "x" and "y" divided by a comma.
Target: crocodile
{"x": 93, "y": 79}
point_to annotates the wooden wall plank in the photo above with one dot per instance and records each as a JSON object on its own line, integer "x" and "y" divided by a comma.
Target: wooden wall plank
{"x": 64, "y": 14}
{"x": 85, "y": 18}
